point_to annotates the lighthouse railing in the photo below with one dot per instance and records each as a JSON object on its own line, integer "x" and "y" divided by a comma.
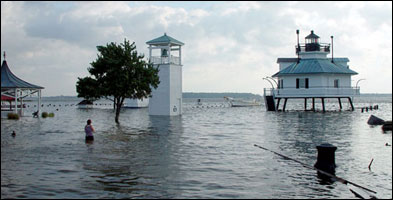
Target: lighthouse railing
{"x": 321, "y": 47}
{"x": 317, "y": 91}
{"x": 165, "y": 60}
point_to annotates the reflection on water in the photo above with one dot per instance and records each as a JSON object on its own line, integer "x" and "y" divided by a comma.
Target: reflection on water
{"x": 205, "y": 153}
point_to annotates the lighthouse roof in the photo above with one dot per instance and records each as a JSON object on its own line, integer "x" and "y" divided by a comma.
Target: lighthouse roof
{"x": 315, "y": 66}
{"x": 312, "y": 35}
{"x": 165, "y": 39}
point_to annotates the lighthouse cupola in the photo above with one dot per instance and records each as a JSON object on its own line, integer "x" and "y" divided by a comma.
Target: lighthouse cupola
{"x": 312, "y": 48}
{"x": 312, "y": 42}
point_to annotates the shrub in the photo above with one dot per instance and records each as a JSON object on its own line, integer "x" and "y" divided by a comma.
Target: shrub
{"x": 51, "y": 115}
{"x": 12, "y": 116}
{"x": 44, "y": 115}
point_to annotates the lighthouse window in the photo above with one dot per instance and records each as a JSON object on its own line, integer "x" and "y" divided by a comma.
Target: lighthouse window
{"x": 336, "y": 83}
{"x": 302, "y": 83}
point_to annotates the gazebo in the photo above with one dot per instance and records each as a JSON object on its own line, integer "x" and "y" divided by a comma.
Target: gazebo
{"x": 15, "y": 89}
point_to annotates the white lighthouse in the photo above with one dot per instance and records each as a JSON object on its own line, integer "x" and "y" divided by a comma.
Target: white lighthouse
{"x": 312, "y": 75}
{"x": 165, "y": 53}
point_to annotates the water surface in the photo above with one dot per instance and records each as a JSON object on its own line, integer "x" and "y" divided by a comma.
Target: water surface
{"x": 208, "y": 152}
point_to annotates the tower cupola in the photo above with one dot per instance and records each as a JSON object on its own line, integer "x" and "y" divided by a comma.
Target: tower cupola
{"x": 170, "y": 50}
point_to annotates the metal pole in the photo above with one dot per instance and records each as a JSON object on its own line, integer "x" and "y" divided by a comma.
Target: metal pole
{"x": 332, "y": 48}
{"x": 273, "y": 80}
{"x": 269, "y": 82}
{"x": 298, "y": 46}
{"x": 358, "y": 82}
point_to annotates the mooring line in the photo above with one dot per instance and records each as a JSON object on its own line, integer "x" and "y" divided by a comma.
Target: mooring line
{"x": 320, "y": 171}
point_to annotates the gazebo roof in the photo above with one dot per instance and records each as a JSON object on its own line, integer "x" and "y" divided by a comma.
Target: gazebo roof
{"x": 9, "y": 80}
{"x": 7, "y": 98}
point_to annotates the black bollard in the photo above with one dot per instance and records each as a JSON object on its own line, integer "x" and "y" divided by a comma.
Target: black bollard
{"x": 362, "y": 109}
{"x": 326, "y": 158}
{"x": 366, "y": 109}
{"x": 371, "y": 107}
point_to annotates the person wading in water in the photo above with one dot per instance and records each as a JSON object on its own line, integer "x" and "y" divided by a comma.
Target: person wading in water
{"x": 89, "y": 131}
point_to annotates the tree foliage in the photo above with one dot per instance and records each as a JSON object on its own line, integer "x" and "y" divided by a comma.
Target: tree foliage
{"x": 87, "y": 88}
{"x": 118, "y": 73}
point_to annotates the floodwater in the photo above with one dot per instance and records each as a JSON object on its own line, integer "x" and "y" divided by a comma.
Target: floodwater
{"x": 208, "y": 152}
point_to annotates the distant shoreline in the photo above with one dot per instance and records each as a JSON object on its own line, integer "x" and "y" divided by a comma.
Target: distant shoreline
{"x": 220, "y": 95}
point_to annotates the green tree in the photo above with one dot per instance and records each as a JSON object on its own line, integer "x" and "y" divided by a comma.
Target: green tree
{"x": 118, "y": 73}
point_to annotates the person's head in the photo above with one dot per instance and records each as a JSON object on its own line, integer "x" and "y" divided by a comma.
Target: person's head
{"x": 88, "y": 121}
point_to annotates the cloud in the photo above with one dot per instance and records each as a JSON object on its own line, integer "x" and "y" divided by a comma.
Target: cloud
{"x": 229, "y": 46}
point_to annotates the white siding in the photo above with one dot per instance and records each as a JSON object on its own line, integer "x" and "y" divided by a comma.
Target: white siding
{"x": 167, "y": 98}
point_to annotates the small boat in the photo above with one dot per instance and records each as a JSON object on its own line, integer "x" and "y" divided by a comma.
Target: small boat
{"x": 241, "y": 103}
{"x": 136, "y": 103}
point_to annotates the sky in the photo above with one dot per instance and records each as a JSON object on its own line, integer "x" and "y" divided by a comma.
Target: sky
{"x": 229, "y": 46}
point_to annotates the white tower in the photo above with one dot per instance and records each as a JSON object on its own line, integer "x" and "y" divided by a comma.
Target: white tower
{"x": 167, "y": 98}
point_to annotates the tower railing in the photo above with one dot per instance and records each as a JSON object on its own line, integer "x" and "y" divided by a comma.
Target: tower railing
{"x": 313, "y": 47}
{"x": 165, "y": 60}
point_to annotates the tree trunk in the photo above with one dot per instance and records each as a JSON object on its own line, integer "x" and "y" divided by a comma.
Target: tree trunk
{"x": 119, "y": 103}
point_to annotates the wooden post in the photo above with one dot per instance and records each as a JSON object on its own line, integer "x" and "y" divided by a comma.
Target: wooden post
{"x": 39, "y": 102}
{"x": 350, "y": 101}
{"x": 339, "y": 102}
{"x": 21, "y": 105}
{"x": 16, "y": 101}
{"x": 285, "y": 103}
{"x": 323, "y": 104}
{"x": 278, "y": 103}
{"x": 313, "y": 104}
{"x": 326, "y": 158}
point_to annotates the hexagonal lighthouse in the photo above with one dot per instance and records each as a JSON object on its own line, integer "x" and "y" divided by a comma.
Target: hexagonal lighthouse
{"x": 165, "y": 53}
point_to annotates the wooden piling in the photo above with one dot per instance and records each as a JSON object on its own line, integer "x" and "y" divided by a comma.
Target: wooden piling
{"x": 339, "y": 102}
{"x": 350, "y": 101}
{"x": 313, "y": 104}
{"x": 278, "y": 103}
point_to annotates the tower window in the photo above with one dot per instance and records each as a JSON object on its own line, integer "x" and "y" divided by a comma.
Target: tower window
{"x": 302, "y": 83}
{"x": 336, "y": 83}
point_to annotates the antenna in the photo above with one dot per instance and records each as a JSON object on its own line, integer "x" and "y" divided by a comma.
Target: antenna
{"x": 332, "y": 48}
{"x": 298, "y": 46}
